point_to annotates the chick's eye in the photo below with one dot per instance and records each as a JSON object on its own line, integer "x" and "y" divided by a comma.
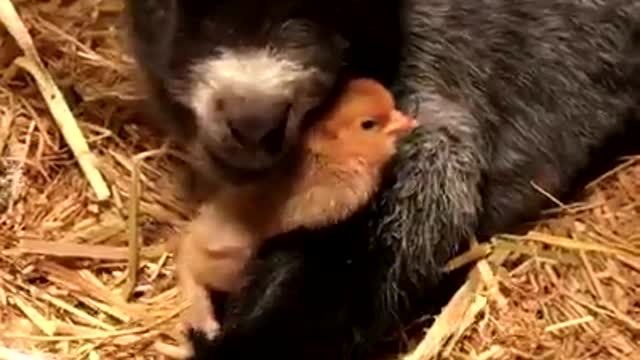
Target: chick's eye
{"x": 368, "y": 124}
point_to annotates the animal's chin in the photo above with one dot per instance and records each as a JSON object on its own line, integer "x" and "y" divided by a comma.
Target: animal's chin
{"x": 240, "y": 167}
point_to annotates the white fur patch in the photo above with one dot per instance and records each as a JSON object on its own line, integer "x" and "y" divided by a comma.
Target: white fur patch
{"x": 259, "y": 75}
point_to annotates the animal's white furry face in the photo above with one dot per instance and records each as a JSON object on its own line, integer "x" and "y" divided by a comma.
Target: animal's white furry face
{"x": 235, "y": 78}
{"x": 249, "y": 104}
{"x": 253, "y": 74}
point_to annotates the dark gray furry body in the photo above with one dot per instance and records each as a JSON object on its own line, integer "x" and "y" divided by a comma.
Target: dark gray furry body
{"x": 509, "y": 93}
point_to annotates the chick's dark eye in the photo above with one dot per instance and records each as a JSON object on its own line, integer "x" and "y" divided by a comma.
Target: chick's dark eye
{"x": 368, "y": 124}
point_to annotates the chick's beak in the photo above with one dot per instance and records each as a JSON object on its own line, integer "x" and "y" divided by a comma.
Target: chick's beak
{"x": 399, "y": 123}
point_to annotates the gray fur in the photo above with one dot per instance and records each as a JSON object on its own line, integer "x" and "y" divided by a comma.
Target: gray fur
{"x": 508, "y": 92}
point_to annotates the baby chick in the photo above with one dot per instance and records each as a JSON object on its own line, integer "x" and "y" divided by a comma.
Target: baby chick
{"x": 344, "y": 155}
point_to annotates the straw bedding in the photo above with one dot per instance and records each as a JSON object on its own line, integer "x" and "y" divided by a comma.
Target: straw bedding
{"x": 569, "y": 289}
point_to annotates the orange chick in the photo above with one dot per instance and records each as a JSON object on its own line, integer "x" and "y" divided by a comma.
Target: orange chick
{"x": 344, "y": 156}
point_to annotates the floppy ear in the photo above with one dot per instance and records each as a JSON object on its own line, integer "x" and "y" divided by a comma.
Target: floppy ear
{"x": 152, "y": 24}
{"x": 152, "y": 20}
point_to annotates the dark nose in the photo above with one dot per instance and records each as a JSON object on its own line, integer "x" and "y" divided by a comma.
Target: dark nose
{"x": 263, "y": 132}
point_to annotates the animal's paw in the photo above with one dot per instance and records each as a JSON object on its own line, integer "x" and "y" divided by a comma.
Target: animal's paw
{"x": 198, "y": 333}
{"x": 198, "y": 343}
{"x": 204, "y": 324}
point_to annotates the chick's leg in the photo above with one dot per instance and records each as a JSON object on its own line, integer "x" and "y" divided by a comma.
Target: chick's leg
{"x": 211, "y": 256}
{"x": 191, "y": 262}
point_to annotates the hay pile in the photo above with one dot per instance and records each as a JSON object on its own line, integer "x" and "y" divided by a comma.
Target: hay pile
{"x": 569, "y": 290}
